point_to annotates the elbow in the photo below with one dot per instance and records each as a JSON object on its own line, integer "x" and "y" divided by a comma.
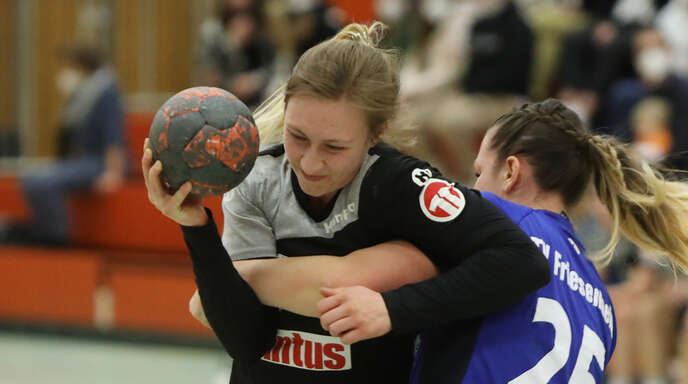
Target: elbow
{"x": 247, "y": 355}
{"x": 245, "y": 347}
{"x": 538, "y": 270}
{"x": 544, "y": 274}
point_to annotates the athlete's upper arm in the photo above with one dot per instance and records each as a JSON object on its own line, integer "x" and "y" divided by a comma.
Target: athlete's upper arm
{"x": 247, "y": 232}
{"x": 486, "y": 260}
{"x": 448, "y": 222}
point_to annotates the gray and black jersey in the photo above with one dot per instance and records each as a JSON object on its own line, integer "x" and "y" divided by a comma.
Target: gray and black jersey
{"x": 486, "y": 262}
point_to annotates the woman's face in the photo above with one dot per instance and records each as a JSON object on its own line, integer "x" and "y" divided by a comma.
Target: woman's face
{"x": 486, "y": 171}
{"x": 326, "y": 142}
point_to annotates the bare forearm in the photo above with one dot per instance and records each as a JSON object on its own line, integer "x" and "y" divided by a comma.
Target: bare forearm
{"x": 291, "y": 283}
{"x": 294, "y": 283}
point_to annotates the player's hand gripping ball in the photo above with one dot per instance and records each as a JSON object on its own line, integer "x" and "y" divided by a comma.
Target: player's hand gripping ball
{"x": 205, "y": 135}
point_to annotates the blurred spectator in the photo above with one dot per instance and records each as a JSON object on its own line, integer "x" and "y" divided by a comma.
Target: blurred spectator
{"x": 501, "y": 46}
{"x": 672, "y": 24}
{"x": 234, "y": 52}
{"x": 404, "y": 21}
{"x": 587, "y": 58}
{"x": 650, "y": 120}
{"x": 294, "y": 26}
{"x": 636, "y": 284}
{"x": 638, "y": 12}
{"x": 476, "y": 66}
{"x": 601, "y": 55}
{"x": 646, "y": 321}
{"x": 92, "y": 153}
{"x": 655, "y": 78}
{"x": 311, "y": 22}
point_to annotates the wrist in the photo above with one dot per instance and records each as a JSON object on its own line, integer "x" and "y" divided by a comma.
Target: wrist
{"x": 203, "y": 219}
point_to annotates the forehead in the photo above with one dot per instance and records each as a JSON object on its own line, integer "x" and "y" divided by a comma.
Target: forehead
{"x": 331, "y": 119}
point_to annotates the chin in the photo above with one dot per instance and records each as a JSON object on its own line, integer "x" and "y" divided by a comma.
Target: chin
{"x": 311, "y": 190}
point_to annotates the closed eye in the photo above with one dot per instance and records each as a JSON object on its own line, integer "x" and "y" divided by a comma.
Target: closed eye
{"x": 334, "y": 147}
{"x": 298, "y": 137}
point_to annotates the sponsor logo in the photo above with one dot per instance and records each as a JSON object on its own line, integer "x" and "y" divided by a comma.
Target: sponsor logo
{"x": 345, "y": 215}
{"x": 309, "y": 351}
{"x": 441, "y": 201}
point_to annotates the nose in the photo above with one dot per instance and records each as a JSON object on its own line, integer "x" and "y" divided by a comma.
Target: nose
{"x": 311, "y": 162}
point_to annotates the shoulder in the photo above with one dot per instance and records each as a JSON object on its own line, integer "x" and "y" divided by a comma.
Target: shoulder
{"x": 270, "y": 164}
{"x": 393, "y": 167}
{"x": 266, "y": 176}
{"x": 406, "y": 185}
{"x": 516, "y": 212}
{"x": 391, "y": 159}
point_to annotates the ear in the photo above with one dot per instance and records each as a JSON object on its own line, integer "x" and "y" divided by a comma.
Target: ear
{"x": 374, "y": 139}
{"x": 512, "y": 174}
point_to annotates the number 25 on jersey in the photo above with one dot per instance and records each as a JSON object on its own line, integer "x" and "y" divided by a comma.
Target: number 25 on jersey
{"x": 550, "y": 311}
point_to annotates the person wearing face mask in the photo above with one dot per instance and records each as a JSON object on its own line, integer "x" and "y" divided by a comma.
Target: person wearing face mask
{"x": 91, "y": 148}
{"x": 656, "y": 78}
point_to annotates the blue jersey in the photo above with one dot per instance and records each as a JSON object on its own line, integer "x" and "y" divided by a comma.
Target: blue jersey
{"x": 563, "y": 333}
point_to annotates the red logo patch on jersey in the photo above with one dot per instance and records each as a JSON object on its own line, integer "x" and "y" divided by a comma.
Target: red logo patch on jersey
{"x": 441, "y": 201}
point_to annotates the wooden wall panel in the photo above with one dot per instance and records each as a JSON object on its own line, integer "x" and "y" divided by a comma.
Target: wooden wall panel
{"x": 48, "y": 286}
{"x": 54, "y": 23}
{"x": 154, "y": 299}
{"x": 154, "y": 47}
{"x": 174, "y": 45}
{"x": 127, "y": 34}
{"x": 7, "y": 64}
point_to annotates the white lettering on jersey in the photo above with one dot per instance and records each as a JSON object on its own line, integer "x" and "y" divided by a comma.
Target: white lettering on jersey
{"x": 576, "y": 283}
{"x": 441, "y": 201}
{"x": 342, "y": 216}
{"x": 309, "y": 351}
{"x": 575, "y": 247}
{"x": 421, "y": 176}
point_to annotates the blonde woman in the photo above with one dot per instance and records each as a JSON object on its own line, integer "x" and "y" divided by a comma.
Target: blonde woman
{"x": 330, "y": 187}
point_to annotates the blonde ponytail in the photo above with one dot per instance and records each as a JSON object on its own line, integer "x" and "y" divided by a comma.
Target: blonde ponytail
{"x": 269, "y": 118}
{"x": 645, "y": 207}
{"x": 649, "y": 210}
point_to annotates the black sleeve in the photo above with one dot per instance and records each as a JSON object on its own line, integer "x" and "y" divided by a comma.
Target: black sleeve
{"x": 505, "y": 270}
{"x": 486, "y": 261}
{"x": 245, "y": 327}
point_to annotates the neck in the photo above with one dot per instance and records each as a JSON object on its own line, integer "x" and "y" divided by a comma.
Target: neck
{"x": 548, "y": 201}
{"x": 321, "y": 202}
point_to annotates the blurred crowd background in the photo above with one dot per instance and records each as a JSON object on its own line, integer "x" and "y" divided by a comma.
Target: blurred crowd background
{"x": 107, "y": 65}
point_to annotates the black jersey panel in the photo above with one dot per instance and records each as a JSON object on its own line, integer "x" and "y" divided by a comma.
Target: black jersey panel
{"x": 400, "y": 204}
{"x": 386, "y": 359}
{"x": 486, "y": 261}
{"x": 455, "y": 343}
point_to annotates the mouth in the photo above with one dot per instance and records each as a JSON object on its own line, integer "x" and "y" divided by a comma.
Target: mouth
{"x": 311, "y": 177}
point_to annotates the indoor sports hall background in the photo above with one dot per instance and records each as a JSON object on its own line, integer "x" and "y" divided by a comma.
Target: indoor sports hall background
{"x": 108, "y": 303}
